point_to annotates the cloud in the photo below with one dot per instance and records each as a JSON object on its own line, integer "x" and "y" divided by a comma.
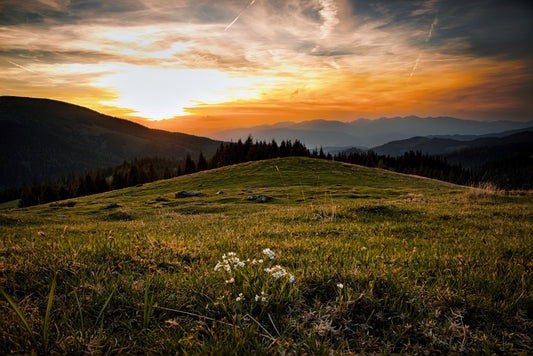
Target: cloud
{"x": 350, "y": 56}
{"x": 328, "y": 12}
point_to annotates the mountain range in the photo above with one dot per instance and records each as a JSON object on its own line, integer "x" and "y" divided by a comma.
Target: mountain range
{"x": 364, "y": 133}
{"x": 42, "y": 139}
{"x": 447, "y": 146}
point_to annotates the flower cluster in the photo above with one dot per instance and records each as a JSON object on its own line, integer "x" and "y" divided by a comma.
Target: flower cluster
{"x": 269, "y": 253}
{"x": 278, "y": 272}
{"x": 262, "y": 297}
{"x": 232, "y": 267}
{"x": 228, "y": 261}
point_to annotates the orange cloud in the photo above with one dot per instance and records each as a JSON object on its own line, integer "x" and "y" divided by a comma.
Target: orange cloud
{"x": 479, "y": 85}
{"x": 290, "y": 60}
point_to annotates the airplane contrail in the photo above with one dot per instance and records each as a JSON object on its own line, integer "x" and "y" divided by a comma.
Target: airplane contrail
{"x": 414, "y": 67}
{"x": 428, "y": 37}
{"x": 435, "y": 21}
{"x": 18, "y": 65}
{"x": 239, "y": 15}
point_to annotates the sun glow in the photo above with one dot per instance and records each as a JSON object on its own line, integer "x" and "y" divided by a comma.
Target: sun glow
{"x": 162, "y": 93}
{"x": 227, "y": 63}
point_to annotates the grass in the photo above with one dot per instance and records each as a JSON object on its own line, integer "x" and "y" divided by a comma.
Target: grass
{"x": 380, "y": 263}
{"x": 9, "y": 204}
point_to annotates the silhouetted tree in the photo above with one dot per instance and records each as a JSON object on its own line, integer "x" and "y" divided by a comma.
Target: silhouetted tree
{"x": 190, "y": 167}
{"x": 132, "y": 178}
{"x": 202, "y": 163}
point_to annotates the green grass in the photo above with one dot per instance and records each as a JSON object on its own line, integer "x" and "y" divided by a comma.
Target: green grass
{"x": 9, "y": 204}
{"x": 423, "y": 265}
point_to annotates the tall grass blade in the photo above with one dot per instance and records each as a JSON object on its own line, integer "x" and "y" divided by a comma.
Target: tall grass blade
{"x": 46, "y": 326}
{"x": 147, "y": 308}
{"x": 19, "y": 314}
{"x": 81, "y": 315}
{"x": 104, "y": 307}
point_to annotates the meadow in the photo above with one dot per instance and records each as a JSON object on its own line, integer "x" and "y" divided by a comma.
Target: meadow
{"x": 343, "y": 259}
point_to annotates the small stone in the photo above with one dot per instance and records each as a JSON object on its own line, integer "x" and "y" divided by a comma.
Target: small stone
{"x": 258, "y": 198}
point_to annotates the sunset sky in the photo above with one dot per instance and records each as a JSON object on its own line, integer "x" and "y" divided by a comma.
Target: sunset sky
{"x": 227, "y": 63}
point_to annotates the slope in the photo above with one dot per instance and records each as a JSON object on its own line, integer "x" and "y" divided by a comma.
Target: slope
{"x": 43, "y": 139}
{"x": 363, "y": 260}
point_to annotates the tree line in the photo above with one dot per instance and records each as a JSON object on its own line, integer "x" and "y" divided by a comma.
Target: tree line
{"x": 140, "y": 171}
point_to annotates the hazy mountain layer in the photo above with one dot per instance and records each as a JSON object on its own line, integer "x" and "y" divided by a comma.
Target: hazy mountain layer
{"x": 367, "y": 133}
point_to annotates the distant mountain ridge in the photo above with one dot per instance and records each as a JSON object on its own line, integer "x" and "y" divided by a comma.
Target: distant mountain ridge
{"x": 365, "y": 133}
{"x": 439, "y": 145}
{"x": 42, "y": 138}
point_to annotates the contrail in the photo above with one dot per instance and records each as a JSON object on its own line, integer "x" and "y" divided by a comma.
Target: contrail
{"x": 435, "y": 21}
{"x": 239, "y": 15}
{"x": 428, "y": 37}
{"x": 414, "y": 67}
{"x": 18, "y": 65}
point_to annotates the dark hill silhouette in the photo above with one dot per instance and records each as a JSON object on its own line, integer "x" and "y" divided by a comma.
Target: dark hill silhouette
{"x": 42, "y": 139}
{"x": 485, "y": 150}
{"x": 457, "y": 148}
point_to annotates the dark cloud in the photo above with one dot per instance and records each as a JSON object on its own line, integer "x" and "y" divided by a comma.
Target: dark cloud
{"x": 487, "y": 28}
{"x": 56, "y": 56}
{"x": 13, "y": 12}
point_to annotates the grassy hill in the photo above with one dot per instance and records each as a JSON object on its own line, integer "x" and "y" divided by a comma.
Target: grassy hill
{"x": 342, "y": 259}
{"x": 47, "y": 139}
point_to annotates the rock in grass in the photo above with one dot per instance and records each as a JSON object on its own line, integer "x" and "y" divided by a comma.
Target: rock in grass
{"x": 258, "y": 198}
{"x": 119, "y": 216}
{"x": 184, "y": 194}
{"x": 63, "y": 204}
{"x": 112, "y": 206}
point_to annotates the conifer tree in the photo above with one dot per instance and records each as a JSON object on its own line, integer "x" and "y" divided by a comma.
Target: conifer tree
{"x": 202, "y": 163}
{"x": 190, "y": 167}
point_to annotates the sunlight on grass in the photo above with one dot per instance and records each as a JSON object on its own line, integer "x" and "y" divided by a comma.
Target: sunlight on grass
{"x": 357, "y": 261}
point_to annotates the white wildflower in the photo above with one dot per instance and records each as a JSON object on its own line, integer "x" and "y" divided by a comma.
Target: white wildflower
{"x": 340, "y": 285}
{"x": 240, "y": 297}
{"x": 231, "y": 280}
{"x": 262, "y": 297}
{"x": 276, "y": 271}
{"x": 269, "y": 253}
{"x": 229, "y": 260}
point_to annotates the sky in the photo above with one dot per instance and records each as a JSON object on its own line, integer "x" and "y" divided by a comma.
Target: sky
{"x": 202, "y": 65}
